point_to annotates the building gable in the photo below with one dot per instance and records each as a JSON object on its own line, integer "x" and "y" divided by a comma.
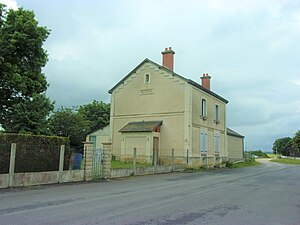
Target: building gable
{"x": 172, "y": 74}
{"x": 147, "y": 62}
{"x": 149, "y": 89}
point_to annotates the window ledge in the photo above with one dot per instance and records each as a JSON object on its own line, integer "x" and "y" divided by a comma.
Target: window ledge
{"x": 203, "y": 117}
{"x": 216, "y": 121}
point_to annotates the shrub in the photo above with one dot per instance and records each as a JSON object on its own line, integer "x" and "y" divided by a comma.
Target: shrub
{"x": 259, "y": 153}
{"x": 113, "y": 157}
{"x": 4, "y": 157}
{"x": 249, "y": 160}
{"x": 229, "y": 164}
{"x": 34, "y": 153}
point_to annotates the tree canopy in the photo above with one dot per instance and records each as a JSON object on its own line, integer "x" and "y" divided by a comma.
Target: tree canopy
{"x": 281, "y": 146}
{"x": 67, "y": 122}
{"x": 96, "y": 113}
{"x": 22, "y": 58}
{"x": 24, "y": 107}
{"x": 296, "y": 143}
{"x": 76, "y": 122}
{"x": 30, "y": 115}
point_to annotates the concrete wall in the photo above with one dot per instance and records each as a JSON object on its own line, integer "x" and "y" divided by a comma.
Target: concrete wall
{"x": 37, "y": 178}
{"x": 235, "y": 147}
{"x": 4, "y": 180}
{"x": 115, "y": 173}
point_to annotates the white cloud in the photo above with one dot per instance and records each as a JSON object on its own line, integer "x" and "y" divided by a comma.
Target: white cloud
{"x": 296, "y": 81}
{"x": 61, "y": 51}
{"x": 11, "y": 4}
{"x": 249, "y": 47}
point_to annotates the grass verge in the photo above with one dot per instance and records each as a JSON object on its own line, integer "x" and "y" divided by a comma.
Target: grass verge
{"x": 287, "y": 161}
{"x": 116, "y": 164}
{"x": 248, "y": 162}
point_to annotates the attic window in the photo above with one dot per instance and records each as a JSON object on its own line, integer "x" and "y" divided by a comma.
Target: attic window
{"x": 147, "y": 78}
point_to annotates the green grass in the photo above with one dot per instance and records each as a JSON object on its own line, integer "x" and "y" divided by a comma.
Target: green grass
{"x": 248, "y": 162}
{"x": 116, "y": 164}
{"x": 192, "y": 170}
{"x": 287, "y": 161}
{"x": 271, "y": 155}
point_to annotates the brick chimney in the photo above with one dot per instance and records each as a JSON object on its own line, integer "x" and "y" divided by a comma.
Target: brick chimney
{"x": 206, "y": 81}
{"x": 168, "y": 58}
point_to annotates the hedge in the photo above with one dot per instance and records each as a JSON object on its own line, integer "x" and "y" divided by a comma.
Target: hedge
{"x": 4, "y": 157}
{"x": 34, "y": 153}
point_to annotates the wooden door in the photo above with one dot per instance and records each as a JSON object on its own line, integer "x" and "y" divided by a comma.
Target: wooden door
{"x": 155, "y": 150}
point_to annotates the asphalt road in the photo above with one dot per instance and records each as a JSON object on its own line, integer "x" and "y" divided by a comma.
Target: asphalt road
{"x": 267, "y": 194}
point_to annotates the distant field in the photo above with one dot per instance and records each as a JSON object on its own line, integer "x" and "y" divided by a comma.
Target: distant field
{"x": 287, "y": 161}
{"x": 271, "y": 155}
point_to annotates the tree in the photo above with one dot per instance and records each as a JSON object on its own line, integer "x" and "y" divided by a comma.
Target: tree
{"x": 296, "y": 143}
{"x": 282, "y": 146}
{"x": 21, "y": 60}
{"x": 30, "y": 115}
{"x": 259, "y": 153}
{"x": 96, "y": 113}
{"x": 67, "y": 122}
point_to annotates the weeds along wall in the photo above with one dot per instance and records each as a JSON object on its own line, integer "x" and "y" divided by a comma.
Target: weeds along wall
{"x": 34, "y": 153}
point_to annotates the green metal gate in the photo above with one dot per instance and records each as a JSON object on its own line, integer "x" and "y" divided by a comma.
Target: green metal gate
{"x": 97, "y": 163}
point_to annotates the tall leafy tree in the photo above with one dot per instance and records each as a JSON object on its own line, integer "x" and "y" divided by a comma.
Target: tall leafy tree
{"x": 296, "y": 143}
{"x": 97, "y": 113}
{"x": 21, "y": 60}
{"x": 282, "y": 146}
{"x": 68, "y": 122}
{"x": 30, "y": 115}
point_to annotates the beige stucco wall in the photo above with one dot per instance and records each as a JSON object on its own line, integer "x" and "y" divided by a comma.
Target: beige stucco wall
{"x": 208, "y": 125}
{"x": 164, "y": 93}
{"x": 138, "y": 141}
{"x": 142, "y": 141}
{"x": 102, "y": 136}
{"x": 235, "y": 147}
{"x": 171, "y": 134}
{"x": 161, "y": 99}
{"x": 170, "y": 99}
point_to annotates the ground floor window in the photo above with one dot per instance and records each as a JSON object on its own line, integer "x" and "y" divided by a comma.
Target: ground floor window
{"x": 203, "y": 142}
{"x": 217, "y": 143}
{"x": 93, "y": 139}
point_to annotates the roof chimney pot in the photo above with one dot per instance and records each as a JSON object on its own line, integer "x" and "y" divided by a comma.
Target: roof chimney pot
{"x": 168, "y": 58}
{"x": 205, "y": 79}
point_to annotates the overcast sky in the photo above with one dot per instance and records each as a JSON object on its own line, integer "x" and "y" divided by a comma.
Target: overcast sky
{"x": 250, "y": 48}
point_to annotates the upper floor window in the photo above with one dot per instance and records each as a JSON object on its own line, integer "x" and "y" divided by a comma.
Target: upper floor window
{"x": 217, "y": 114}
{"x": 147, "y": 79}
{"x": 203, "y": 109}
